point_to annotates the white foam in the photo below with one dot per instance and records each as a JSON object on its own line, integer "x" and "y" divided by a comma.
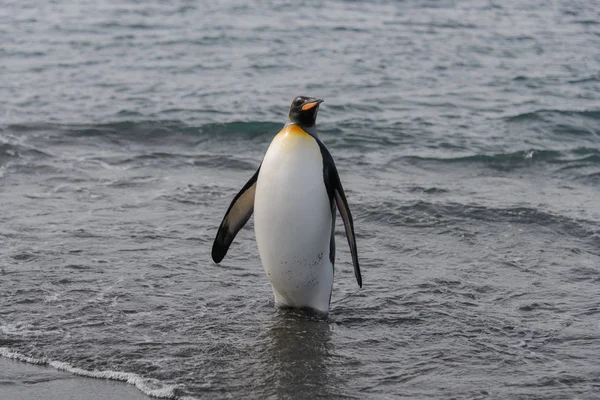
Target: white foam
{"x": 16, "y": 356}
{"x": 149, "y": 386}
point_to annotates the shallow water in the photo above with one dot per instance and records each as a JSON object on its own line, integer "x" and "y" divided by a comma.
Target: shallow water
{"x": 467, "y": 136}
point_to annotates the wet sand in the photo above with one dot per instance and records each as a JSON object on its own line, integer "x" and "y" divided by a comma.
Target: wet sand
{"x": 22, "y": 381}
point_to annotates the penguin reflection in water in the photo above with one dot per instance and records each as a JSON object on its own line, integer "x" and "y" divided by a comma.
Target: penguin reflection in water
{"x": 294, "y": 194}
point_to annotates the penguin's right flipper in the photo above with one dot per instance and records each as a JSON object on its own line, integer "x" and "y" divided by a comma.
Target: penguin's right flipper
{"x": 239, "y": 212}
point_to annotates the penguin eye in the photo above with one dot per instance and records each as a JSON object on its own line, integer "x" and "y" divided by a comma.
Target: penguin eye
{"x": 298, "y": 101}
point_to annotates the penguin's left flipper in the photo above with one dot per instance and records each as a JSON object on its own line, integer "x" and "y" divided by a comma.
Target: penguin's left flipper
{"x": 335, "y": 191}
{"x": 239, "y": 212}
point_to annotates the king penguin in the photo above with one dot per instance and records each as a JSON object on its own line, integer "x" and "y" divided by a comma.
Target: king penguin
{"x": 294, "y": 195}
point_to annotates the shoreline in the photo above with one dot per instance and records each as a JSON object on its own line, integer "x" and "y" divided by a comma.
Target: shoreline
{"x": 20, "y": 380}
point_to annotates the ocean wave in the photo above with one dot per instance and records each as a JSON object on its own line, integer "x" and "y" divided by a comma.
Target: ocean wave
{"x": 565, "y": 123}
{"x": 203, "y": 160}
{"x": 581, "y": 156}
{"x": 542, "y": 114}
{"x": 152, "y": 130}
{"x": 7, "y": 152}
{"x": 151, "y": 387}
{"x": 427, "y": 214}
{"x": 10, "y": 151}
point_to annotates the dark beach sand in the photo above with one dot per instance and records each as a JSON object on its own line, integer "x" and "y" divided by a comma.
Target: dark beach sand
{"x": 21, "y": 381}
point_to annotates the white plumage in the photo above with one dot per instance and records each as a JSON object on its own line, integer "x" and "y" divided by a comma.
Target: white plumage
{"x": 293, "y": 221}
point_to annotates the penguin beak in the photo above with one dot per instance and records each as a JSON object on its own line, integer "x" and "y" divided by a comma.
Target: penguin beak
{"x": 312, "y": 104}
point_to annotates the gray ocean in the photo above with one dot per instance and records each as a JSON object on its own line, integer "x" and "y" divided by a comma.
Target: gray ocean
{"x": 467, "y": 137}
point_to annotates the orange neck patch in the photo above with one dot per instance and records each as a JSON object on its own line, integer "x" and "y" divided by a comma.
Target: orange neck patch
{"x": 293, "y": 130}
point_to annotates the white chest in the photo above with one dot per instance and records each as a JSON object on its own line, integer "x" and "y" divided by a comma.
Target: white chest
{"x": 292, "y": 216}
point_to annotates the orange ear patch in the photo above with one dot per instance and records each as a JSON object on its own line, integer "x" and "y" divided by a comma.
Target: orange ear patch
{"x": 308, "y": 106}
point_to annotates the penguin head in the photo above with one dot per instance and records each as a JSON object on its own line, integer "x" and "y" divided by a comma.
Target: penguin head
{"x": 303, "y": 111}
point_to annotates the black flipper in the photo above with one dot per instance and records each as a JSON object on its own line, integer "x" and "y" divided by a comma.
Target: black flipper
{"x": 239, "y": 212}
{"x": 336, "y": 192}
